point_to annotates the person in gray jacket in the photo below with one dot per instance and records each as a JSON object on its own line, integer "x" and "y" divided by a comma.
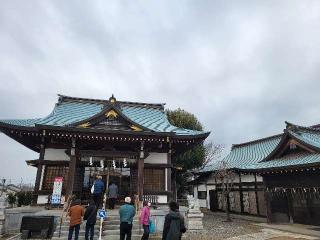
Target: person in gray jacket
{"x": 112, "y": 195}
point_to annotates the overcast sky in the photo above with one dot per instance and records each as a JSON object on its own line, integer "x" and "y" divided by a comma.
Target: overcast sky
{"x": 242, "y": 67}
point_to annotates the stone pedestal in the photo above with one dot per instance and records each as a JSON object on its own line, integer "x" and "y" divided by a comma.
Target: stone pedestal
{"x": 195, "y": 219}
{"x": 14, "y": 216}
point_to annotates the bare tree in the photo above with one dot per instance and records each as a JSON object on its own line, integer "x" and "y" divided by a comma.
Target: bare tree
{"x": 212, "y": 152}
{"x": 226, "y": 177}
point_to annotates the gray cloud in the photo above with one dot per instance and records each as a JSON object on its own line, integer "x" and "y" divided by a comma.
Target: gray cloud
{"x": 243, "y": 67}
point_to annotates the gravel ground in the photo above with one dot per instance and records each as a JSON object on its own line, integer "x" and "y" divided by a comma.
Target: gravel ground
{"x": 216, "y": 228}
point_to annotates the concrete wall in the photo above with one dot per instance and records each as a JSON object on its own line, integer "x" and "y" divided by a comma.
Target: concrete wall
{"x": 249, "y": 197}
{"x": 158, "y": 158}
{"x": 3, "y": 205}
{"x": 14, "y": 216}
{"x": 56, "y": 154}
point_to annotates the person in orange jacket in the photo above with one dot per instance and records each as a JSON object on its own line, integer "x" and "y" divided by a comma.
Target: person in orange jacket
{"x": 76, "y": 213}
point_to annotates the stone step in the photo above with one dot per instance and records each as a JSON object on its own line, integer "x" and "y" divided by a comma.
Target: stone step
{"x": 108, "y": 232}
{"x": 117, "y": 226}
{"x": 117, "y": 222}
{"x": 113, "y": 237}
{"x": 65, "y": 233}
{"x": 97, "y": 226}
{"x": 82, "y": 227}
{"x": 105, "y": 223}
{"x": 117, "y": 232}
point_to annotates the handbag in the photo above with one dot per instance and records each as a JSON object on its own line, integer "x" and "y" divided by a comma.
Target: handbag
{"x": 152, "y": 227}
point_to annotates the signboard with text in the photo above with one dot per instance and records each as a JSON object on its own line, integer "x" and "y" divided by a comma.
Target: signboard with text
{"x": 57, "y": 189}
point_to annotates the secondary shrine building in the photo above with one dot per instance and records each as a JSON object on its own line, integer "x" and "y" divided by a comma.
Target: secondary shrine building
{"x": 129, "y": 143}
{"x": 278, "y": 177}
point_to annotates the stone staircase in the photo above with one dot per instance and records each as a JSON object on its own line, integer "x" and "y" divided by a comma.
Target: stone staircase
{"x": 111, "y": 229}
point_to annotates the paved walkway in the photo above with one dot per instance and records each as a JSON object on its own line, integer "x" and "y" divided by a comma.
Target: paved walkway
{"x": 294, "y": 228}
{"x": 272, "y": 234}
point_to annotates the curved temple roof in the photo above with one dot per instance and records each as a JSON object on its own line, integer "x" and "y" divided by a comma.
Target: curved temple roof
{"x": 254, "y": 155}
{"x": 70, "y": 110}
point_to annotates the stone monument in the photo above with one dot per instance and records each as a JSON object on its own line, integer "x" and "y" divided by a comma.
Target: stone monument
{"x": 194, "y": 214}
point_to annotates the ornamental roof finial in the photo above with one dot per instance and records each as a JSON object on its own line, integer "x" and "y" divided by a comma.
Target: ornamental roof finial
{"x": 112, "y": 99}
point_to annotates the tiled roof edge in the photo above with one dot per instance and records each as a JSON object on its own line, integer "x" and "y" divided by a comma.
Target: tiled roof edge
{"x": 314, "y": 127}
{"x": 255, "y": 141}
{"x": 63, "y": 98}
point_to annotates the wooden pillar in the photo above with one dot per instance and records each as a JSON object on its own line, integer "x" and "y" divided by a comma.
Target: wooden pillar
{"x": 140, "y": 171}
{"x": 39, "y": 172}
{"x": 241, "y": 194}
{"x": 72, "y": 169}
{"x": 174, "y": 185}
{"x": 290, "y": 208}
{"x": 168, "y": 187}
{"x": 267, "y": 197}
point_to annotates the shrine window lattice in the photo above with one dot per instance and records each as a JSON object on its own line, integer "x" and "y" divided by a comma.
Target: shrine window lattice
{"x": 51, "y": 172}
{"x": 154, "y": 180}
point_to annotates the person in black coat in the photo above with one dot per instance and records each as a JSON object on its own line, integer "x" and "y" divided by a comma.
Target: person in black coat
{"x": 173, "y": 227}
{"x": 91, "y": 216}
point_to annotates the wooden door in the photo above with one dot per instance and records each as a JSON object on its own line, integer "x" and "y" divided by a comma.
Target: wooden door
{"x": 213, "y": 199}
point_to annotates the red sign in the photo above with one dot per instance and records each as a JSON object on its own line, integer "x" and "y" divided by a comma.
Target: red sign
{"x": 58, "y": 179}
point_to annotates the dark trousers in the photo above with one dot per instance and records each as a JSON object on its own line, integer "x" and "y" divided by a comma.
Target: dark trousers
{"x": 125, "y": 230}
{"x": 146, "y": 232}
{"x": 112, "y": 202}
{"x": 97, "y": 200}
{"x": 76, "y": 229}
{"x": 89, "y": 231}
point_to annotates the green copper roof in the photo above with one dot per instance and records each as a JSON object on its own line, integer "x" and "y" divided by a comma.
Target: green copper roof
{"x": 242, "y": 156}
{"x": 72, "y": 110}
{"x": 290, "y": 160}
{"x": 252, "y": 155}
{"x": 307, "y": 135}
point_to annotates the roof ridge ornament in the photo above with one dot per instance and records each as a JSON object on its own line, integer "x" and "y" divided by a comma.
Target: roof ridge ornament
{"x": 112, "y": 99}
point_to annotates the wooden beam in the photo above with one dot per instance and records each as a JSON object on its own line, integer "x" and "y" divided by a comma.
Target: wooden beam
{"x": 72, "y": 169}
{"x": 112, "y": 154}
{"x": 157, "y": 166}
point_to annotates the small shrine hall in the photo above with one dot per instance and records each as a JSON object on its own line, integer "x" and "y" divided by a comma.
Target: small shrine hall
{"x": 131, "y": 144}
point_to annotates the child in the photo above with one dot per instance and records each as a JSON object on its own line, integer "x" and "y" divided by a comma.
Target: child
{"x": 76, "y": 212}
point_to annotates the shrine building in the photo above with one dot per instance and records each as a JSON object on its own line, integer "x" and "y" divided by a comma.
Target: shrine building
{"x": 277, "y": 177}
{"x": 128, "y": 143}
